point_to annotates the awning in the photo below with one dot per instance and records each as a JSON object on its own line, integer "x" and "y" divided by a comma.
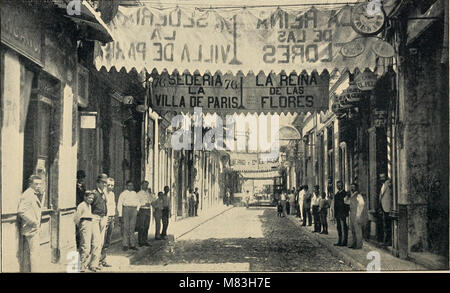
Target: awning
{"x": 257, "y": 37}
{"x": 97, "y": 29}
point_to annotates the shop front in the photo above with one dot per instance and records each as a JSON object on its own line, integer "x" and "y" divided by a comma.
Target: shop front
{"x": 38, "y": 128}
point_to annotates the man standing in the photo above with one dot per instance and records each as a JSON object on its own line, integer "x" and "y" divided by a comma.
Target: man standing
{"x": 341, "y": 214}
{"x": 301, "y": 194}
{"x": 157, "y": 214}
{"x": 127, "y": 207}
{"x": 83, "y": 220}
{"x": 99, "y": 221}
{"x": 191, "y": 203}
{"x": 306, "y": 206}
{"x": 111, "y": 215}
{"x": 197, "y": 200}
{"x": 144, "y": 214}
{"x": 358, "y": 214}
{"x": 227, "y": 197}
{"x": 385, "y": 208}
{"x": 29, "y": 210}
{"x": 165, "y": 212}
{"x": 283, "y": 199}
{"x": 315, "y": 201}
{"x": 80, "y": 191}
{"x": 330, "y": 195}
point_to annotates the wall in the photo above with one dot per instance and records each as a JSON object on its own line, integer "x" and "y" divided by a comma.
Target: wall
{"x": 424, "y": 90}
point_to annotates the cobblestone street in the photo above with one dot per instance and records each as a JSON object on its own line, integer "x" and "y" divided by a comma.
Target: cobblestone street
{"x": 242, "y": 239}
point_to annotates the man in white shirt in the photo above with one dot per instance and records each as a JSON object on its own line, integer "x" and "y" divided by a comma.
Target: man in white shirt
{"x": 127, "y": 208}
{"x": 300, "y": 200}
{"x": 315, "y": 208}
{"x": 110, "y": 214}
{"x": 358, "y": 216}
{"x": 283, "y": 198}
{"x": 144, "y": 214}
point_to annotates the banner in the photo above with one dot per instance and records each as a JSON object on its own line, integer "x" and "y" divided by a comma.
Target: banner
{"x": 242, "y": 39}
{"x": 228, "y": 94}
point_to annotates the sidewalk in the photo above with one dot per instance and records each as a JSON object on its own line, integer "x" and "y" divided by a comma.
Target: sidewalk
{"x": 358, "y": 258}
{"x": 119, "y": 258}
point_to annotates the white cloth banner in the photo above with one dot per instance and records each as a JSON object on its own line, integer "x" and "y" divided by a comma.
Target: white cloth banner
{"x": 238, "y": 39}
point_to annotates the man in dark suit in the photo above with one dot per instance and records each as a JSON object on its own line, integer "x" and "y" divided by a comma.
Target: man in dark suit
{"x": 307, "y": 207}
{"x": 341, "y": 213}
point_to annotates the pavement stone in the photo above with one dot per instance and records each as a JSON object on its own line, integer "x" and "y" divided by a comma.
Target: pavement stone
{"x": 358, "y": 258}
{"x": 119, "y": 259}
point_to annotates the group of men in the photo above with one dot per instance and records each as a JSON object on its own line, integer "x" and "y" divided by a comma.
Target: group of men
{"x": 313, "y": 207}
{"x": 96, "y": 214}
{"x": 193, "y": 200}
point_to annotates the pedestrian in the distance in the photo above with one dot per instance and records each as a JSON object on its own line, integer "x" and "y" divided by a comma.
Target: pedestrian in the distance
{"x": 324, "y": 205}
{"x": 127, "y": 207}
{"x": 283, "y": 200}
{"x": 83, "y": 220}
{"x": 191, "y": 203}
{"x": 29, "y": 211}
{"x": 341, "y": 210}
{"x": 307, "y": 206}
{"x": 227, "y": 197}
{"x": 291, "y": 197}
{"x": 301, "y": 193}
{"x": 197, "y": 201}
{"x": 315, "y": 208}
{"x": 358, "y": 214}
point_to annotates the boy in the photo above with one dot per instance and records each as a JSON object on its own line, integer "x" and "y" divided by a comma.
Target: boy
{"x": 83, "y": 219}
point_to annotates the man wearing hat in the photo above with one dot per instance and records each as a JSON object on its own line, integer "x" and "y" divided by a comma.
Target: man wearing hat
{"x": 99, "y": 220}
{"x": 385, "y": 205}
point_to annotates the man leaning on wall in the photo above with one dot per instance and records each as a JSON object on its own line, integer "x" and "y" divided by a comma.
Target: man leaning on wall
{"x": 29, "y": 210}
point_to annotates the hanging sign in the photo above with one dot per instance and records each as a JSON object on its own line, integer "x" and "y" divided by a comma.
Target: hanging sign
{"x": 278, "y": 93}
{"x": 244, "y": 39}
{"x": 366, "y": 80}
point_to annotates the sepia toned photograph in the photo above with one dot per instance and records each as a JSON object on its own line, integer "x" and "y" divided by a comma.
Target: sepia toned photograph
{"x": 224, "y": 136}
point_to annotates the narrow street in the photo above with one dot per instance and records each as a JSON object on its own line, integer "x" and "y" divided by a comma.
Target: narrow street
{"x": 241, "y": 239}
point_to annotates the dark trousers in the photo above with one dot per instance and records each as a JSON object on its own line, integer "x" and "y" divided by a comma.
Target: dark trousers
{"x": 316, "y": 217}
{"x": 288, "y": 207}
{"x": 342, "y": 229}
{"x": 297, "y": 207}
{"x": 142, "y": 225}
{"x": 191, "y": 211}
{"x": 196, "y": 208}
{"x": 387, "y": 229}
{"x": 165, "y": 221}
{"x": 108, "y": 234}
{"x": 307, "y": 214}
{"x": 323, "y": 220}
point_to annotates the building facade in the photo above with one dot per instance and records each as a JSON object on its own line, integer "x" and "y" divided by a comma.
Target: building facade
{"x": 398, "y": 127}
